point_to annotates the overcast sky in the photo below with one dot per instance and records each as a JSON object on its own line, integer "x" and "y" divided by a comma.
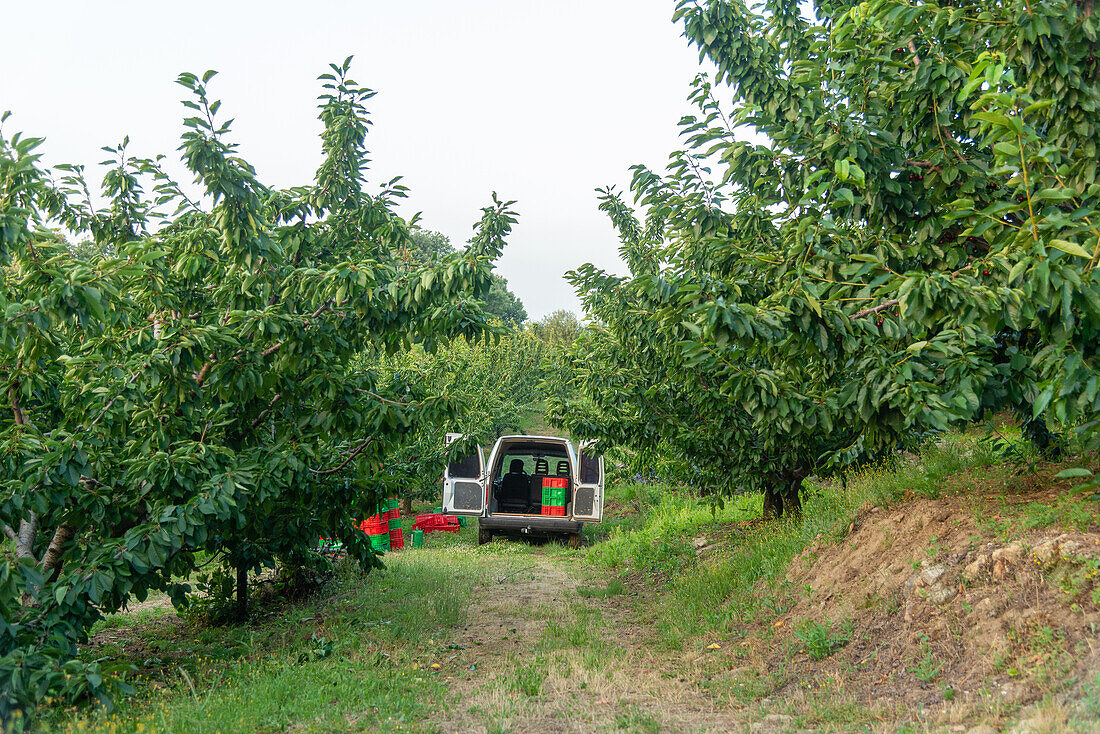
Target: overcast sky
{"x": 539, "y": 101}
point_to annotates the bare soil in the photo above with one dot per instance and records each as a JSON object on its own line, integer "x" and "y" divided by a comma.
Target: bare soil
{"x": 942, "y": 618}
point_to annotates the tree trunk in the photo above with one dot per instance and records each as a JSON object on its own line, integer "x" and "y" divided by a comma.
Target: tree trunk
{"x": 781, "y": 495}
{"x": 406, "y": 506}
{"x": 790, "y": 485}
{"x": 773, "y": 503}
{"x": 792, "y": 503}
{"x": 24, "y": 545}
{"x": 28, "y": 526}
{"x": 51, "y": 561}
{"x": 242, "y": 591}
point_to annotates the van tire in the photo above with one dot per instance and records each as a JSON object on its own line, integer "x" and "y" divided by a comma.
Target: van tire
{"x": 483, "y": 536}
{"x": 574, "y": 540}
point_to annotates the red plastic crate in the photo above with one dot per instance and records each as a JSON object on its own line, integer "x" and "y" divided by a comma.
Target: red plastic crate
{"x": 555, "y": 482}
{"x": 435, "y": 522}
{"x": 374, "y": 526}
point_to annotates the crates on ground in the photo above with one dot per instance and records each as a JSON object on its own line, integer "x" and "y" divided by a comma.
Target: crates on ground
{"x": 384, "y": 529}
{"x": 434, "y": 522}
{"x": 377, "y": 532}
{"x": 393, "y": 519}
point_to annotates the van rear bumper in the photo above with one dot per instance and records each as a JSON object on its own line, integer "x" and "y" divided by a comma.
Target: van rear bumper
{"x": 529, "y": 524}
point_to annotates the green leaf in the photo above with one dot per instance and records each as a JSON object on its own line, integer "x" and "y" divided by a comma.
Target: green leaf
{"x": 1071, "y": 248}
{"x": 1074, "y": 473}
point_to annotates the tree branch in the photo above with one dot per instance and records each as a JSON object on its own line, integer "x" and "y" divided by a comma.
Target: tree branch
{"x": 117, "y": 396}
{"x": 321, "y": 309}
{"x": 28, "y": 526}
{"x": 875, "y": 309}
{"x": 200, "y": 376}
{"x": 266, "y": 410}
{"x": 13, "y": 399}
{"x": 24, "y": 544}
{"x": 355, "y": 452}
{"x": 923, "y": 164}
{"x": 10, "y": 533}
{"x": 378, "y": 397}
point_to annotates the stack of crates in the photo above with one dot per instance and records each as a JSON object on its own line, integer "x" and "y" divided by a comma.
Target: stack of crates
{"x": 555, "y": 491}
{"x": 377, "y": 531}
{"x": 393, "y": 521}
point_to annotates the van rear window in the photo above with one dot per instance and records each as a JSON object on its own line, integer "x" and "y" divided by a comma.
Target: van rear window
{"x": 467, "y": 466}
{"x": 590, "y": 468}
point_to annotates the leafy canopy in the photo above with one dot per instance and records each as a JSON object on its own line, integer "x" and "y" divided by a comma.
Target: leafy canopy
{"x": 188, "y": 378}
{"x": 909, "y": 237}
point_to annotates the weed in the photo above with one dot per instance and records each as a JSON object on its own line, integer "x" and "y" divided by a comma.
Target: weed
{"x": 927, "y": 668}
{"x": 565, "y": 632}
{"x": 750, "y": 684}
{"x": 319, "y": 649}
{"x": 1038, "y": 653}
{"x": 820, "y": 640}
{"x": 1090, "y": 702}
{"x": 1078, "y": 579}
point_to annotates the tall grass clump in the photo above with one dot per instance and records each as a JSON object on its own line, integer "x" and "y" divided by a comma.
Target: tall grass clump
{"x": 659, "y": 542}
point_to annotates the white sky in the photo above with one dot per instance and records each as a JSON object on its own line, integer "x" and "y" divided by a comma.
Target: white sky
{"x": 539, "y": 101}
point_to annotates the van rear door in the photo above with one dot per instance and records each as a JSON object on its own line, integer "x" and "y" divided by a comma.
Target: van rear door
{"x": 463, "y": 488}
{"x": 588, "y": 486}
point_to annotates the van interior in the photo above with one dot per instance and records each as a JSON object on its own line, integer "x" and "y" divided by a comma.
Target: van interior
{"x": 516, "y": 476}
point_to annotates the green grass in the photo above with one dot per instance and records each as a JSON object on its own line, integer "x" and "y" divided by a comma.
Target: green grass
{"x": 355, "y": 658}
{"x": 633, "y": 719}
{"x": 926, "y": 668}
{"x": 656, "y": 540}
{"x": 614, "y": 588}
{"x": 527, "y": 678}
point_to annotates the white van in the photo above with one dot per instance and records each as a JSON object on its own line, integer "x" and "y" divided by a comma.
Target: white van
{"x": 506, "y": 494}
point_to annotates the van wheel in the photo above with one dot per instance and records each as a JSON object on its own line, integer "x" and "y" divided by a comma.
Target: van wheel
{"x": 574, "y": 540}
{"x": 483, "y": 536}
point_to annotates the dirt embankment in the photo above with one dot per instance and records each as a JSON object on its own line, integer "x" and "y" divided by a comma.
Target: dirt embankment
{"x": 941, "y": 613}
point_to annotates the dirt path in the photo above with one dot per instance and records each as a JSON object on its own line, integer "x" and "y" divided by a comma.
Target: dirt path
{"x": 540, "y": 657}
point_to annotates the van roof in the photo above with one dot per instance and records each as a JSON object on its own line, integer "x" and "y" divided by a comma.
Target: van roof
{"x": 527, "y": 437}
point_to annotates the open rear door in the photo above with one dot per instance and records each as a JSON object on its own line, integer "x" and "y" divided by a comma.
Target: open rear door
{"x": 463, "y": 490}
{"x": 588, "y": 490}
